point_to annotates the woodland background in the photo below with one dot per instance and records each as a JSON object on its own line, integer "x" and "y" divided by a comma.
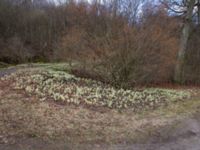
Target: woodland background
{"x": 122, "y": 42}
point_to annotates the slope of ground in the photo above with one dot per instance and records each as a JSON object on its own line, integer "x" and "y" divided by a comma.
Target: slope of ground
{"x": 29, "y": 122}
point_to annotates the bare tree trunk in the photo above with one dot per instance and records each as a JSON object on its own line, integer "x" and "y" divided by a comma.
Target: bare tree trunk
{"x": 179, "y": 72}
{"x": 198, "y": 12}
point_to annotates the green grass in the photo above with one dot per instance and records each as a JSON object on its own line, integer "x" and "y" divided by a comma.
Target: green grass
{"x": 52, "y": 66}
{"x": 3, "y": 65}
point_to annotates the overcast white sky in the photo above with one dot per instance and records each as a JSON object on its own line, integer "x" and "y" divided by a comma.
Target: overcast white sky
{"x": 57, "y": 1}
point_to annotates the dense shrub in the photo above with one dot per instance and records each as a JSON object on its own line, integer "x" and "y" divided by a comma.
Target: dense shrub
{"x": 144, "y": 54}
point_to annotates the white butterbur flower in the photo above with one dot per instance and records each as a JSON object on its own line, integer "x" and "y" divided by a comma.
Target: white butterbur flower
{"x": 62, "y": 86}
{"x": 62, "y": 97}
{"x": 29, "y": 89}
{"x": 56, "y": 96}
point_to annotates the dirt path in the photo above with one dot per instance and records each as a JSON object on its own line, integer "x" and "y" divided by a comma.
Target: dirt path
{"x": 183, "y": 136}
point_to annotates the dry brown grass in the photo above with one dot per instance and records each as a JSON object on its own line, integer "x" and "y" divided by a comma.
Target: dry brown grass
{"x": 24, "y": 116}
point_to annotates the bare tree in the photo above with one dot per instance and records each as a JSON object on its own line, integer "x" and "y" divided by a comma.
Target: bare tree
{"x": 186, "y": 8}
{"x": 179, "y": 72}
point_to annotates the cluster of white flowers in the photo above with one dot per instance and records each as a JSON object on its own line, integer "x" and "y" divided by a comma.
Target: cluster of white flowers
{"x": 61, "y": 86}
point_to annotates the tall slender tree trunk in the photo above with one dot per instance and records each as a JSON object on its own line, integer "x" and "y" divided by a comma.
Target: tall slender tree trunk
{"x": 179, "y": 70}
{"x": 198, "y": 12}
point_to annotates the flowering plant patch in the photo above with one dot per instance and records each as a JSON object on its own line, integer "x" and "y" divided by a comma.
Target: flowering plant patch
{"x": 61, "y": 86}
